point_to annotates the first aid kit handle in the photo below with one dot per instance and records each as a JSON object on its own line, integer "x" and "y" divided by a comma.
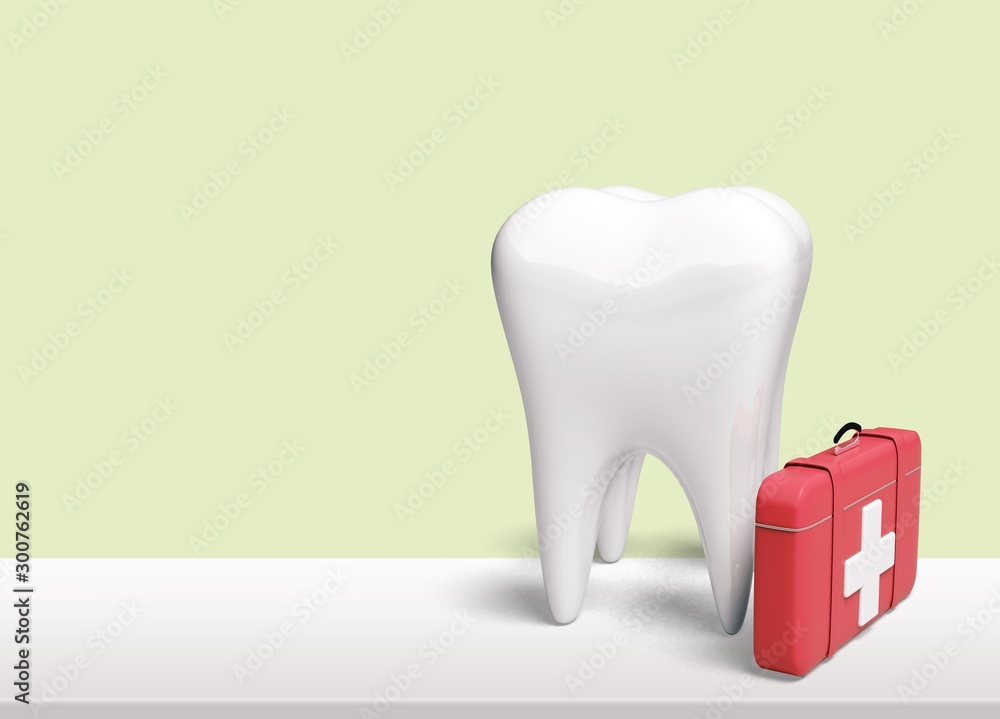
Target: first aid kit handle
{"x": 849, "y": 444}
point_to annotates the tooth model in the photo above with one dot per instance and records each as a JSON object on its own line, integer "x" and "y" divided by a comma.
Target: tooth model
{"x": 641, "y": 324}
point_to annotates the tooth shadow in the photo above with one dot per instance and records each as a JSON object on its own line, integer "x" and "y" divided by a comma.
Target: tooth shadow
{"x": 689, "y": 626}
{"x": 668, "y": 610}
{"x": 522, "y": 597}
{"x": 686, "y": 607}
{"x": 714, "y": 648}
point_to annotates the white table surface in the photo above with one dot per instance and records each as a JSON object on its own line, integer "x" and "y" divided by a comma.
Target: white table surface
{"x": 162, "y": 637}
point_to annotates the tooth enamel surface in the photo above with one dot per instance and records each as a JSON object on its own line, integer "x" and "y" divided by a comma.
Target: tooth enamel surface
{"x": 640, "y": 324}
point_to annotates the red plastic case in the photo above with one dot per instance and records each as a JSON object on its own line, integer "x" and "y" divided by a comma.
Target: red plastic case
{"x": 808, "y": 550}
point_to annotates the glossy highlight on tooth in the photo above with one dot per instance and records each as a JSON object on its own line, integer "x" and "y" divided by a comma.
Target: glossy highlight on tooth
{"x": 646, "y": 325}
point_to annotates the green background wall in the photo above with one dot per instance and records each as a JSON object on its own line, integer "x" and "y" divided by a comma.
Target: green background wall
{"x": 831, "y": 105}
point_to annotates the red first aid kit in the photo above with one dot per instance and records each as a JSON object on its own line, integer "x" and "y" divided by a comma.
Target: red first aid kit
{"x": 835, "y": 545}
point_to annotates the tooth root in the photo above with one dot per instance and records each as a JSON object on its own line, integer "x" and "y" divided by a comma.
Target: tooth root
{"x": 728, "y": 550}
{"x": 721, "y": 480}
{"x": 618, "y": 506}
{"x": 570, "y": 481}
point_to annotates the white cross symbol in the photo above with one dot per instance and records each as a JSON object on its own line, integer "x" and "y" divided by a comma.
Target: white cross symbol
{"x": 877, "y": 555}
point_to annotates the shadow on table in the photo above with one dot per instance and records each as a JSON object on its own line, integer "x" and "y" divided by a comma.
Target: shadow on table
{"x": 663, "y": 607}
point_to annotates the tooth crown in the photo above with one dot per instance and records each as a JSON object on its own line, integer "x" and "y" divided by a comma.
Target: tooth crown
{"x": 648, "y": 325}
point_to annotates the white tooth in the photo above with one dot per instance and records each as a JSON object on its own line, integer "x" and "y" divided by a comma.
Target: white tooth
{"x": 640, "y": 324}
{"x": 617, "y": 515}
